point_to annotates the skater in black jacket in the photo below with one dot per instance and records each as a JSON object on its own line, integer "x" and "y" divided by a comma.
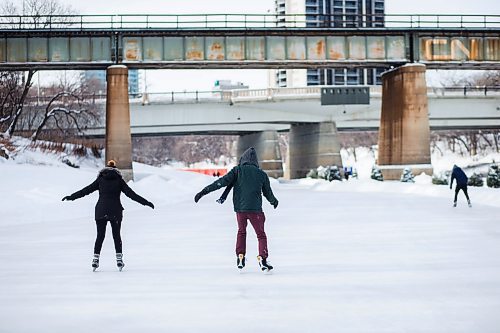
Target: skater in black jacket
{"x": 462, "y": 179}
{"x": 110, "y": 184}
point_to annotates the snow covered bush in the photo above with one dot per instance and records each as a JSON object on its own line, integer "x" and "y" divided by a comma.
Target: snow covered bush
{"x": 377, "y": 174}
{"x": 441, "y": 179}
{"x": 69, "y": 163}
{"x": 492, "y": 180}
{"x": 322, "y": 172}
{"x": 4, "y": 153}
{"x": 333, "y": 173}
{"x": 313, "y": 173}
{"x": 328, "y": 173}
{"x": 475, "y": 180}
{"x": 407, "y": 176}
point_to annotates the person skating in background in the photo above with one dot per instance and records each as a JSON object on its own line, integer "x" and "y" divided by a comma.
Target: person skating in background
{"x": 458, "y": 174}
{"x": 249, "y": 182}
{"x": 110, "y": 184}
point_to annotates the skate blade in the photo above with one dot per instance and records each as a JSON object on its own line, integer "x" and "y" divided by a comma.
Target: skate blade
{"x": 93, "y": 269}
{"x": 267, "y": 271}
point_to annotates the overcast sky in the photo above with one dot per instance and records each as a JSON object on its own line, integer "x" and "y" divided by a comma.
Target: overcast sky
{"x": 167, "y": 80}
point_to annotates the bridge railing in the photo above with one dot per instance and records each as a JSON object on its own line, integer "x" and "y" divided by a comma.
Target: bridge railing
{"x": 245, "y": 21}
{"x": 465, "y": 90}
{"x": 242, "y": 95}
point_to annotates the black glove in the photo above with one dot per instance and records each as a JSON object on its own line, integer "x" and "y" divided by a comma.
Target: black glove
{"x": 275, "y": 204}
{"x": 220, "y": 200}
{"x": 150, "y": 204}
{"x": 198, "y": 195}
{"x": 68, "y": 197}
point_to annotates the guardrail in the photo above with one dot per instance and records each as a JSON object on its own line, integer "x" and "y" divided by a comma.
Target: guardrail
{"x": 200, "y": 96}
{"x": 245, "y": 21}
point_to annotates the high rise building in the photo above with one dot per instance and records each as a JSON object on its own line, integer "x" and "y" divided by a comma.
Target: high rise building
{"x": 333, "y": 14}
{"x": 97, "y": 78}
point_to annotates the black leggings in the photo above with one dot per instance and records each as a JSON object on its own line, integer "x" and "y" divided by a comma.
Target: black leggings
{"x": 463, "y": 188}
{"x": 101, "y": 232}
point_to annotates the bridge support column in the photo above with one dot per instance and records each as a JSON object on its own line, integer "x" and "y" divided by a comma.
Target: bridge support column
{"x": 268, "y": 151}
{"x": 404, "y": 135}
{"x": 312, "y": 145}
{"x": 118, "y": 138}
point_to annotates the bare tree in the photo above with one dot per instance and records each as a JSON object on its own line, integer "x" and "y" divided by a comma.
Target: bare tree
{"x": 70, "y": 108}
{"x": 14, "y": 94}
{"x": 15, "y": 86}
{"x": 487, "y": 78}
{"x": 37, "y": 14}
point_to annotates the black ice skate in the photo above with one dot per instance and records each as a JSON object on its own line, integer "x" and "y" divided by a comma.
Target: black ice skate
{"x": 454, "y": 204}
{"x": 468, "y": 201}
{"x": 265, "y": 266}
{"x": 119, "y": 261}
{"x": 240, "y": 261}
{"x": 95, "y": 262}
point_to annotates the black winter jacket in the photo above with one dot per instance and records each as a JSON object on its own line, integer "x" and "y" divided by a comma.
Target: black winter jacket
{"x": 459, "y": 175}
{"x": 110, "y": 184}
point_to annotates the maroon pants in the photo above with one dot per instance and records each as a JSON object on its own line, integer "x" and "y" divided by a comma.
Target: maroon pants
{"x": 257, "y": 220}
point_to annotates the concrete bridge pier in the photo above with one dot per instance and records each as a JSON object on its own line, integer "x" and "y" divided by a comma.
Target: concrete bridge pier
{"x": 312, "y": 145}
{"x": 267, "y": 147}
{"x": 118, "y": 137}
{"x": 404, "y": 134}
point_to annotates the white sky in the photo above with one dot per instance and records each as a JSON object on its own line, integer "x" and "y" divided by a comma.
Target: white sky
{"x": 168, "y": 80}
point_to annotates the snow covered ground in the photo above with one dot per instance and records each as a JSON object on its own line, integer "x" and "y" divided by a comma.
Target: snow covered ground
{"x": 356, "y": 256}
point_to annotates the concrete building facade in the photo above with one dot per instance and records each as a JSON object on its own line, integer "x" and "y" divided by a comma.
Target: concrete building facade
{"x": 98, "y": 80}
{"x": 332, "y": 14}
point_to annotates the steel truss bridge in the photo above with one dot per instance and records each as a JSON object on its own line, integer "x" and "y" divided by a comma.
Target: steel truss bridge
{"x": 248, "y": 41}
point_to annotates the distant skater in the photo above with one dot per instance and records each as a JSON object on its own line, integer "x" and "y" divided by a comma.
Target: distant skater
{"x": 110, "y": 184}
{"x": 249, "y": 182}
{"x": 462, "y": 179}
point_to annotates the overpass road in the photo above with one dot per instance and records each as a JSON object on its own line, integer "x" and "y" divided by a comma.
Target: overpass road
{"x": 245, "y": 111}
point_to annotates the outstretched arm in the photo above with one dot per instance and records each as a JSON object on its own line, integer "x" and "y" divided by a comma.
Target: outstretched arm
{"x": 228, "y": 179}
{"x": 224, "y": 195}
{"x": 84, "y": 191}
{"x": 268, "y": 193}
{"x": 134, "y": 196}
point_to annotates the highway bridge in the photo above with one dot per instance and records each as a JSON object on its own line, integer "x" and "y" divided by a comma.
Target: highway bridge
{"x": 238, "y": 112}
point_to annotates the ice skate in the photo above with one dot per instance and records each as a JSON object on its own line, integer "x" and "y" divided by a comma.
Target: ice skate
{"x": 265, "y": 266}
{"x": 454, "y": 204}
{"x": 240, "y": 261}
{"x": 119, "y": 261}
{"x": 95, "y": 262}
{"x": 468, "y": 202}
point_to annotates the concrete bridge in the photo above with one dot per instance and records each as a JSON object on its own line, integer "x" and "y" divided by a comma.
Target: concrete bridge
{"x": 240, "y": 112}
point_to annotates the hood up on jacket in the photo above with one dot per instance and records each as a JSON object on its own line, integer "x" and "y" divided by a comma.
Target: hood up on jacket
{"x": 249, "y": 157}
{"x": 110, "y": 173}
